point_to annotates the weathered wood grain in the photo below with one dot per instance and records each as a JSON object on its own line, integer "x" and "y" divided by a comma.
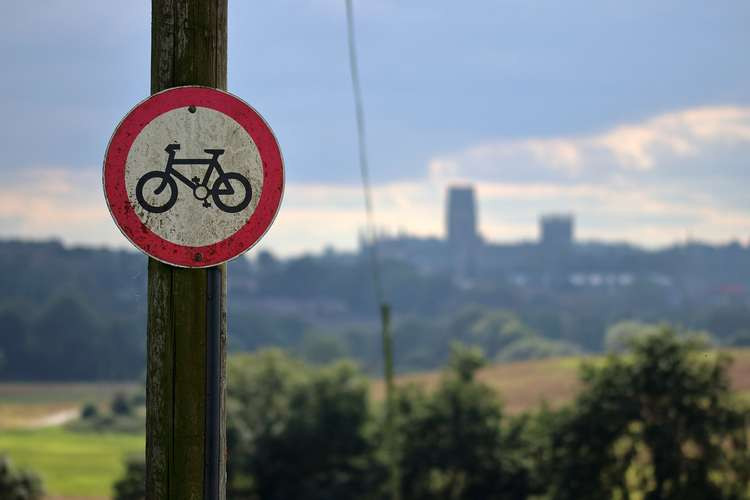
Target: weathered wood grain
{"x": 188, "y": 47}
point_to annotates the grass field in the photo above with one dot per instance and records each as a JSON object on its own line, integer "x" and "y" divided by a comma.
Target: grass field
{"x": 72, "y": 463}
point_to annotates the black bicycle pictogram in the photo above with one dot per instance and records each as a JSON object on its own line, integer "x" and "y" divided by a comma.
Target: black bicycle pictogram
{"x": 221, "y": 186}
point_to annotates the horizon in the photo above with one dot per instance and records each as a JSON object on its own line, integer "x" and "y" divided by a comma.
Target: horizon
{"x": 252, "y": 253}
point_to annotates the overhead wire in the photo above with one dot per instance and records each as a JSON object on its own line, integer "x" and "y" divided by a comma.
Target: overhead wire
{"x": 370, "y": 227}
{"x": 375, "y": 266}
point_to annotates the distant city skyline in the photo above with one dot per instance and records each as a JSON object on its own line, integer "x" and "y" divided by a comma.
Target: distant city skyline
{"x": 638, "y": 126}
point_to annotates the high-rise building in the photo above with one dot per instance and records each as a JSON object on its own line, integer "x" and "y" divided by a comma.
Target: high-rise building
{"x": 461, "y": 217}
{"x": 556, "y": 231}
{"x": 461, "y": 230}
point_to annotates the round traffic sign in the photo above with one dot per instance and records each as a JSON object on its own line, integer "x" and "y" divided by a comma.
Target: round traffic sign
{"x": 193, "y": 176}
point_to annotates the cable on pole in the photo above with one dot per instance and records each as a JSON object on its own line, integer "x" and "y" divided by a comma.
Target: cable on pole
{"x": 385, "y": 312}
{"x": 370, "y": 229}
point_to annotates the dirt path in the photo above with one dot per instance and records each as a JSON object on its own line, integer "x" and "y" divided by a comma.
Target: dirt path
{"x": 57, "y": 418}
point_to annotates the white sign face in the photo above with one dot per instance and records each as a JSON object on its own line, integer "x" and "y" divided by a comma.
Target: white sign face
{"x": 193, "y": 176}
{"x": 197, "y": 215}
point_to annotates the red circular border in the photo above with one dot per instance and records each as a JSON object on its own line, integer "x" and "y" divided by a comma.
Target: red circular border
{"x": 123, "y": 211}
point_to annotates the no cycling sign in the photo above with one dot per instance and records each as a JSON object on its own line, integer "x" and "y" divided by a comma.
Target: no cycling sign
{"x": 193, "y": 176}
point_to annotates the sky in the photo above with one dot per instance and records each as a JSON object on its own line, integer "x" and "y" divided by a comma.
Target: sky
{"x": 633, "y": 116}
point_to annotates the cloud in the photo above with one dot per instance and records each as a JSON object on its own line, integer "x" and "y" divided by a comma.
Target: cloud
{"x": 657, "y": 142}
{"x": 57, "y": 202}
{"x": 651, "y": 183}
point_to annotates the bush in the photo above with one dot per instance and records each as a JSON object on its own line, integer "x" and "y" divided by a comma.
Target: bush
{"x": 537, "y": 348}
{"x": 659, "y": 422}
{"x": 454, "y": 444}
{"x": 131, "y": 424}
{"x": 656, "y": 422}
{"x": 132, "y": 486}
{"x": 18, "y": 485}
{"x": 89, "y": 411}
{"x": 121, "y": 405}
{"x": 297, "y": 432}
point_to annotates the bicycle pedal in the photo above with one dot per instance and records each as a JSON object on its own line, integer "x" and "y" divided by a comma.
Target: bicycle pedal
{"x": 206, "y": 204}
{"x": 196, "y": 180}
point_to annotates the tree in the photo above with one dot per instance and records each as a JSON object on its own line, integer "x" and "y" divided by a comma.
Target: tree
{"x": 68, "y": 331}
{"x": 454, "y": 444}
{"x": 621, "y": 335}
{"x": 536, "y": 348}
{"x": 121, "y": 405}
{"x": 132, "y": 486}
{"x": 18, "y": 485}
{"x": 13, "y": 343}
{"x": 659, "y": 421}
{"x": 494, "y": 330}
{"x": 297, "y": 432}
{"x": 89, "y": 411}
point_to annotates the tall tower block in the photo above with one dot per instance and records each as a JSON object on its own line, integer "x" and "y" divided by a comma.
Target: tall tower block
{"x": 461, "y": 217}
{"x": 556, "y": 232}
{"x": 461, "y": 231}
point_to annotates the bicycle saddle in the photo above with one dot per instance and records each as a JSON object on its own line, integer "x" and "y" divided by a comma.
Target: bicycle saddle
{"x": 214, "y": 151}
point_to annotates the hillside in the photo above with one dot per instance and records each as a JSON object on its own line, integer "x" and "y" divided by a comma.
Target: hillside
{"x": 527, "y": 384}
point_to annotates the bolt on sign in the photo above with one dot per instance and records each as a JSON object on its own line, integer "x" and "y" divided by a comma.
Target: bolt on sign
{"x": 193, "y": 176}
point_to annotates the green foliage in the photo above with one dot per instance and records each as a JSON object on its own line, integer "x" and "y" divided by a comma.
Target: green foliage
{"x": 255, "y": 329}
{"x": 621, "y": 335}
{"x": 132, "y": 486}
{"x": 288, "y": 420}
{"x": 121, "y": 405}
{"x": 122, "y": 416}
{"x": 465, "y": 361}
{"x": 88, "y": 411}
{"x": 108, "y": 422}
{"x": 453, "y": 442}
{"x": 66, "y": 339}
{"x": 296, "y": 432}
{"x": 659, "y": 421}
{"x": 18, "y": 485}
{"x": 500, "y": 334}
{"x": 79, "y": 314}
{"x": 536, "y": 348}
{"x": 320, "y": 348}
{"x": 493, "y": 330}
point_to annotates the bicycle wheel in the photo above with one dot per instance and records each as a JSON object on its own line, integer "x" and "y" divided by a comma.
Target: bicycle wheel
{"x": 154, "y": 201}
{"x": 232, "y": 187}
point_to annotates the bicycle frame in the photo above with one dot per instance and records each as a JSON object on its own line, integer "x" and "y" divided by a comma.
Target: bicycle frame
{"x": 222, "y": 185}
{"x": 213, "y": 164}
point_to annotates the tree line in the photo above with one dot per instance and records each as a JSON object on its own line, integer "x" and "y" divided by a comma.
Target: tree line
{"x": 657, "y": 420}
{"x": 79, "y": 313}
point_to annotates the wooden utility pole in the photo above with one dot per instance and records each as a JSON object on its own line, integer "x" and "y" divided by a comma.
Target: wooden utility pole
{"x": 186, "y": 382}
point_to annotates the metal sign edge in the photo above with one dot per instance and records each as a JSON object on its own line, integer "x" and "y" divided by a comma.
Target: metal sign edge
{"x": 268, "y": 226}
